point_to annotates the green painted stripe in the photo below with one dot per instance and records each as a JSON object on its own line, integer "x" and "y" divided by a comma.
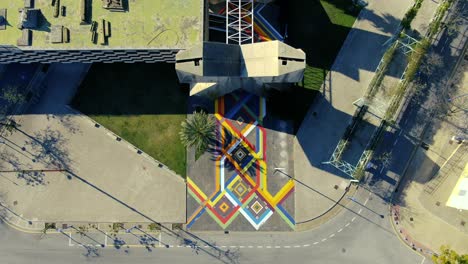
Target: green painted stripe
{"x": 248, "y": 200}
{"x": 215, "y": 217}
{"x": 293, "y": 227}
{"x": 194, "y": 196}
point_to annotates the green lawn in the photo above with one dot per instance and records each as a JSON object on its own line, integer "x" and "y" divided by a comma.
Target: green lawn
{"x": 142, "y": 103}
{"x": 319, "y": 28}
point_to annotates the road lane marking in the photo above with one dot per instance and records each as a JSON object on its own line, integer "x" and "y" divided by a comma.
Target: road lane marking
{"x": 70, "y": 240}
{"x": 341, "y": 229}
{"x": 360, "y": 210}
{"x": 268, "y": 246}
{"x": 324, "y": 239}
{"x": 315, "y": 243}
{"x": 347, "y": 225}
{"x": 241, "y": 246}
{"x": 232, "y": 246}
{"x": 354, "y": 218}
{"x": 287, "y": 246}
{"x": 365, "y": 202}
{"x": 259, "y": 246}
{"x": 297, "y": 246}
{"x": 332, "y": 235}
{"x": 277, "y": 247}
{"x": 306, "y": 245}
{"x": 250, "y": 246}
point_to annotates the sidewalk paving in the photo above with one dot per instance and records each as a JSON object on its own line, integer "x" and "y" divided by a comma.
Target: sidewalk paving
{"x": 105, "y": 180}
{"x": 320, "y": 133}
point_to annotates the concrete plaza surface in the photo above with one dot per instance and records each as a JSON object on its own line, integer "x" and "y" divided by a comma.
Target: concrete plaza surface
{"x": 97, "y": 178}
{"x": 346, "y": 82}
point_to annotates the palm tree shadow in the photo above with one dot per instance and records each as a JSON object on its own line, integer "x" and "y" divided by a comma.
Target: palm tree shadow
{"x": 223, "y": 144}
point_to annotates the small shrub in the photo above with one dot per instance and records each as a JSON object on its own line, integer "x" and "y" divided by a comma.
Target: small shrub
{"x": 154, "y": 227}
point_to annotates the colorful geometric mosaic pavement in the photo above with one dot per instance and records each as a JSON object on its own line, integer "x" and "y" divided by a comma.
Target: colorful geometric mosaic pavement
{"x": 241, "y": 183}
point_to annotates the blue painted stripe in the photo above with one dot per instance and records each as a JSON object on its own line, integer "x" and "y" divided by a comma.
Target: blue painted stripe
{"x": 230, "y": 180}
{"x": 215, "y": 196}
{"x": 196, "y": 217}
{"x": 238, "y": 106}
{"x": 266, "y": 25}
{"x": 234, "y": 197}
{"x": 286, "y": 214}
{"x": 257, "y": 221}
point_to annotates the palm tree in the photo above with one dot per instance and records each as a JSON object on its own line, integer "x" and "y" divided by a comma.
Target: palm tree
{"x": 198, "y": 131}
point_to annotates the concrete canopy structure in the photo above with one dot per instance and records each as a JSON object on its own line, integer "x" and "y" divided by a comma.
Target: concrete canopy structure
{"x": 215, "y": 69}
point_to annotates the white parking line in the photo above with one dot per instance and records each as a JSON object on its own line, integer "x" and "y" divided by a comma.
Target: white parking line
{"x": 347, "y": 225}
{"x": 287, "y": 246}
{"x": 297, "y": 246}
{"x": 360, "y": 210}
{"x": 354, "y": 218}
{"x": 70, "y": 240}
{"x": 306, "y": 245}
{"x": 315, "y": 243}
{"x": 332, "y": 235}
{"x": 341, "y": 229}
{"x": 323, "y": 240}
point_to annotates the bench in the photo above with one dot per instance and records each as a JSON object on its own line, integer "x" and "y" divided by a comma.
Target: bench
{"x": 3, "y": 18}
{"x": 66, "y": 35}
{"x": 25, "y": 40}
{"x": 83, "y": 8}
{"x": 57, "y": 8}
{"x": 102, "y": 32}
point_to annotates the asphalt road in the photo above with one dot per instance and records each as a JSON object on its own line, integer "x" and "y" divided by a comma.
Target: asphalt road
{"x": 359, "y": 234}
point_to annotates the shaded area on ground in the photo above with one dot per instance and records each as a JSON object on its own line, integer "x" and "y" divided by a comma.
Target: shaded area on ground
{"x": 142, "y": 103}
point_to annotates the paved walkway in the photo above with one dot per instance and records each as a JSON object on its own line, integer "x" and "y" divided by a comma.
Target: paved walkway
{"x": 81, "y": 172}
{"x": 433, "y": 173}
{"x": 322, "y": 185}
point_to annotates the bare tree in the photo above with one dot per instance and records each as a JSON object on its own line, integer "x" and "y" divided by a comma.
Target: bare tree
{"x": 432, "y": 62}
{"x": 11, "y": 96}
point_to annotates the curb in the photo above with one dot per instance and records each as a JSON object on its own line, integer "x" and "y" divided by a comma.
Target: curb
{"x": 422, "y": 250}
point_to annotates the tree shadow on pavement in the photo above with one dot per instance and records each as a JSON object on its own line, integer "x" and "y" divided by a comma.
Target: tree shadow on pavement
{"x": 199, "y": 244}
{"x": 49, "y": 147}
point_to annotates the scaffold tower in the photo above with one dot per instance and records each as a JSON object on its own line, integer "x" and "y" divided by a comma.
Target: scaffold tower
{"x": 239, "y": 21}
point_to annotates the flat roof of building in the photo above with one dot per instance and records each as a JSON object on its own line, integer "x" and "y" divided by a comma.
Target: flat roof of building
{"x": 459, "y": 197}
{"x": 143, "y": 24}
